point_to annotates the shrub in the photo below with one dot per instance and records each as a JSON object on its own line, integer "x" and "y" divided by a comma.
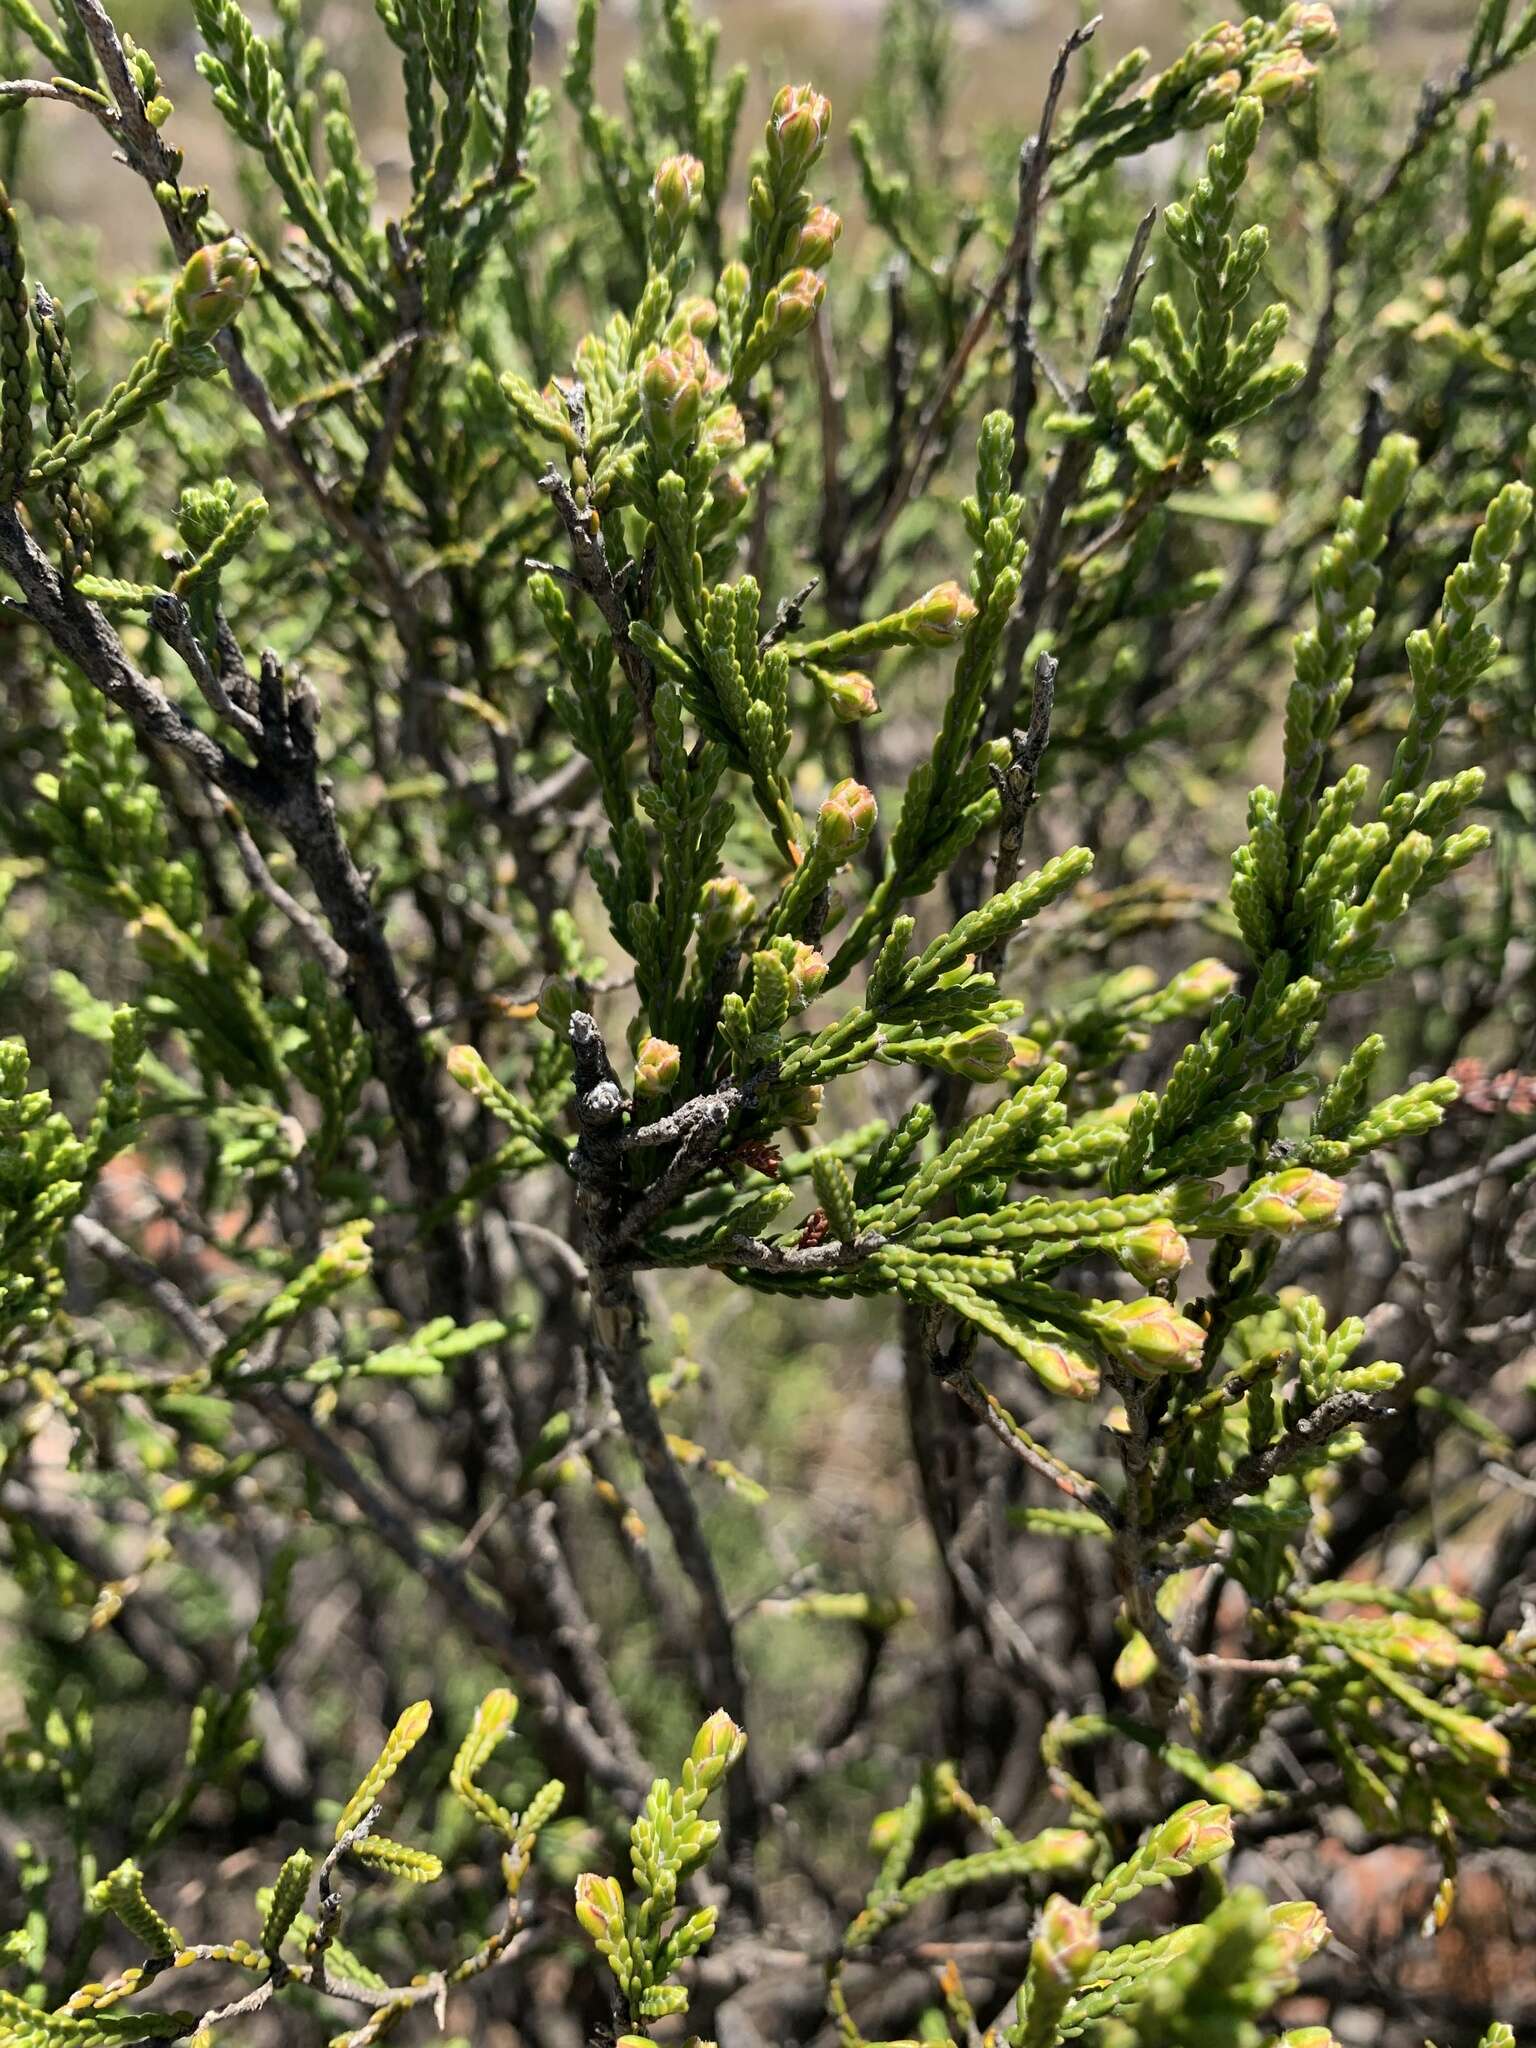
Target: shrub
{"x": 469, "y": 912}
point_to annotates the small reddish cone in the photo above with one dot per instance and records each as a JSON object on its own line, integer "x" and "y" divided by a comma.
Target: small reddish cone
{"x": 1300, "y": 1929}
{"x": 1150, "y": 1336}
{"x": 797, "y": 131}
{"x": 725, "y": 432}
{"x": 1313, "y": 26}
{"x": 1288, "y": 76}
{"x": 599, "y": 1904}
{"x": 981, "y": 1054}
{"x": 846, "y": 819}
{"x": 725, "y": 910}
{"x": 801, "y": 1105}
{"x": 671, "y": 398}
{"x": 1068, "y": 1939}
{"x": 1155, "y": 1251}
{"x": 852, "y": 697}
{"x": 1296, "y": 1200}
{"x": 657, "y": 1066}
{"x": 807, "y": 971}
{"x": 212, "y": 289}
{"x": 818, "y": 237}
{"x": 940, "y": 615}
{"x": 792, "y": 306}
{"x": 676, "y": 191}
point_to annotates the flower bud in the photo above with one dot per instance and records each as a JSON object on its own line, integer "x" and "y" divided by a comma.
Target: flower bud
{"x": 599, "y": 1905}
{"x": 1312, "y": 26}
{"x": 818, "y": 237}
{"x": 1195, "y": 1835}
{"x": 716, "y": 1747}
{"x": 1236, "y": 1788}
{"x": 724, "y": 432}
{"x": 1299, "y": 1199}
{"x": 797, "y": 131}
{"x": 676, "y": 192}
{"x": 1299, "y": 1930}
{"x": 1068, "y": 1940}
{"x": 726, "y": 909}
{"x": 1220, "y": 47}
{"x": 1062, "y": 1849}
{"x": 1059, "y": 1370}
{"x": 846, "y": 819}
{"x": 693, "y": 354}
{"x": 1150, "y": 1336}
{"x": 793, "y": 303}
{"x": 657, "y": 1066}
{"x": 852, "y": 697}
{"x": 694, "y": 316}
{"x": 1213, "y": 98}
{"x": 1201, "y": 983}
{"x": 728, "y": 493}
{"x": 982, "y": 1053}
{"x": 1288, "y": 76}
{"x": 807, "y": 971}
{"x": 1155, "y": 1251}
{"x": 671, "y": 399}
{"x": 939, "y": 616}
{"x": 212, "y": 289}
{"x": 466, "y": 1067}
{"x": 800, "y": 1105}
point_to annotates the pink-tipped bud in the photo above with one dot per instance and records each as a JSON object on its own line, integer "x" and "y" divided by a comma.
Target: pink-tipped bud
{"x": 797, "y": 131}
{"x": 1067, "y": 1942}
{"x": 1215, "y": 97}
{"x": 807, "y": 972}
{"x": 1150, "y": 1336}
{"x": 657, "y": 1066}
{"x": 671, "y": 398}
{"x": 715, "y": 1748}
{"x": 852, "y": 697}
{"x": 729, "y": 493}
{"x": 1220, "y": 46}
{"x": 725, "y": 432}
{"x": 1313, "y": 26}
{"x": 846, "y": 819}
{"x": 1059, "y": 1370}
{"x": 1156, "y": 1251}
{"x": 819, "y": 236}
{"x": 1201, "y": 983}
{"x": 1300, "y": 1930}
{"x": 982, "y": 1053}
{"x": 725, "y": 910}
{"x": 940, "y": 616}
{"x": 694, "y": 316}
{"x": 1298, "y": 1199}
{"x": 1236, "y": 1788}
{"x": 794, "y": 303}
{"x": 1195, "y": 1835}
{"x": 599, "y": 1905}
{"x": 800, "y": 1105}
{"x": 676, "y": 192}
{"x": 1288, "y": 76}
{"x": 212, "y": 289}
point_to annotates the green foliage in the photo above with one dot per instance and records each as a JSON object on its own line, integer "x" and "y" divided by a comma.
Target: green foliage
{"x": 514, "y": 906}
